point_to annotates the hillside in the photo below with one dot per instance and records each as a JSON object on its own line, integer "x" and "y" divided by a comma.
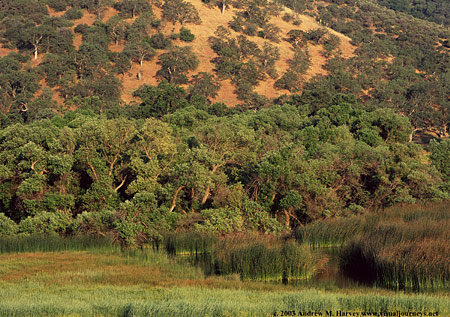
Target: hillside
{"x": 211, "y": 20}
{"x": 333, "y": 40}
{"x": 134, "y": 118}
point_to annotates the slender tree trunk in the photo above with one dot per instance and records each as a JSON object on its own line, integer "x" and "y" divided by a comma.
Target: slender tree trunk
{"x": 288, "y": 219}
{"x": 35, "y": 53}
{"x": 223, "y": 8}
{"x": 206, "y": 195}
{"x": 208, "y": 188}
{"x": 174, "y": 199}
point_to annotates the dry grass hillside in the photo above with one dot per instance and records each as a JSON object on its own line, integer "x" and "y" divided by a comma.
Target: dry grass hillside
{"x": 211, "y": 19}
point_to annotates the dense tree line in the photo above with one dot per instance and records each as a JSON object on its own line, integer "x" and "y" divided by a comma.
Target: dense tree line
{"x": 170, "y": 163}
{"x": 433, "y": 10}
{"x": 338, "y": 145}
{"x": 401, "y": 62}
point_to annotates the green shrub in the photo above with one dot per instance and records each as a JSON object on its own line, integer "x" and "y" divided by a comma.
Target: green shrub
{"x": 46, "y": 222}
{"x": 73, "y": 14}
{"x": 221, "y": 220}
{"x": 57, "y": 5}
{"x": 7, "y": 226}
{"x": 186, "y": 35}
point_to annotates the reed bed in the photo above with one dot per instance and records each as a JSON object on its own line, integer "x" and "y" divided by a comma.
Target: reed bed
{"x": 252, "y": 256}
{"x": 55, "y": 243}
{"x": 406, "y": 250}
{"x": 331, "y": 232}
{"x": 189, "y": 243}
{"x": 263, "y": 258}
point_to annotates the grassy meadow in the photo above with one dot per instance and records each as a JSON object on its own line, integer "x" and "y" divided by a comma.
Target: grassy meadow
{"x": 402, "y": 253}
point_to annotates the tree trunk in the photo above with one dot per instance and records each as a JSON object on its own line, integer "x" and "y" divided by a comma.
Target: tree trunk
{"x": 206, "y": 196}
{"x": 35, "y": 53}
{"x": 174, "y": 199}
{"x": 223, "y": 8}
{"x": 208, "y": 188}
{"x": 288, "y": 218}
{"x": 412, "y": 134}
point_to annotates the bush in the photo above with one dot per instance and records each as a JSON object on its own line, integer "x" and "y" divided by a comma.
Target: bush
{"x": 94, "y": 222}
{"x": 160, "y": 42}
{"x": 221, "y": 220}
{"x": 186, "y": 35}
{"x": 289, "y": 81}
{"x": 57, "y": 5}
{"x": 73, "y": 14}
{"x": 46, "y": 222}
{"x": 81, "y": 28}
{"x": 440, "y": 153}
{"x": 7, "y": 226}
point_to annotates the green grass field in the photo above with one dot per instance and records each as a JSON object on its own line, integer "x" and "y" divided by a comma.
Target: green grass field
{"x": 86, "y": 276}
{"x": 148, "y": 283}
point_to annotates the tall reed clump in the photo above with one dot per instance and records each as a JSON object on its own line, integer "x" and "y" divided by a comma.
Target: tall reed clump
{"x": 406, "y": 250}
{"x": 55, "y": 243}
{"x": 330, "y": 232}
{"x": 189, "y": 243}
{"x": 263, "y": 258}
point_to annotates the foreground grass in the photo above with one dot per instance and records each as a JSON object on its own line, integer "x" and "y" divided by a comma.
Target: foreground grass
{"x": 113, "y": 284}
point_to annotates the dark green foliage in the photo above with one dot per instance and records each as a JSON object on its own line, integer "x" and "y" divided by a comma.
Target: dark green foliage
{"x": 160, "y": 42}
{"x": 440, "y": 153}
{"x": 297, "y": 6}
{"x": 271, "y": 32}
{"x": 176, "y": 63}
{"x": 160, "y": 100}
{"x": 140, "y": 51}
{"x": 35, "y": 11}
{"x": 289, "y": 81}
{"x": 58, "y": 5}
{"x": 132, "y": 8}
{"x": 172, "y": 160}
{"x": 316, "y": 35}
{"x": 73, "y": 14}
{"x": 186, "y": 35}
{"x": 433, "y": 10}
{"x": 180, "y": 11}
{"x": 16, "y": 85}
{"x": 297, "y": 38}
{"x": 204, "y": 84}
{"x": 81, "y": 28}
{"x": 301, "y": 61}
{"x": 7, "y": 226}
{"x": 222, "y": 4}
